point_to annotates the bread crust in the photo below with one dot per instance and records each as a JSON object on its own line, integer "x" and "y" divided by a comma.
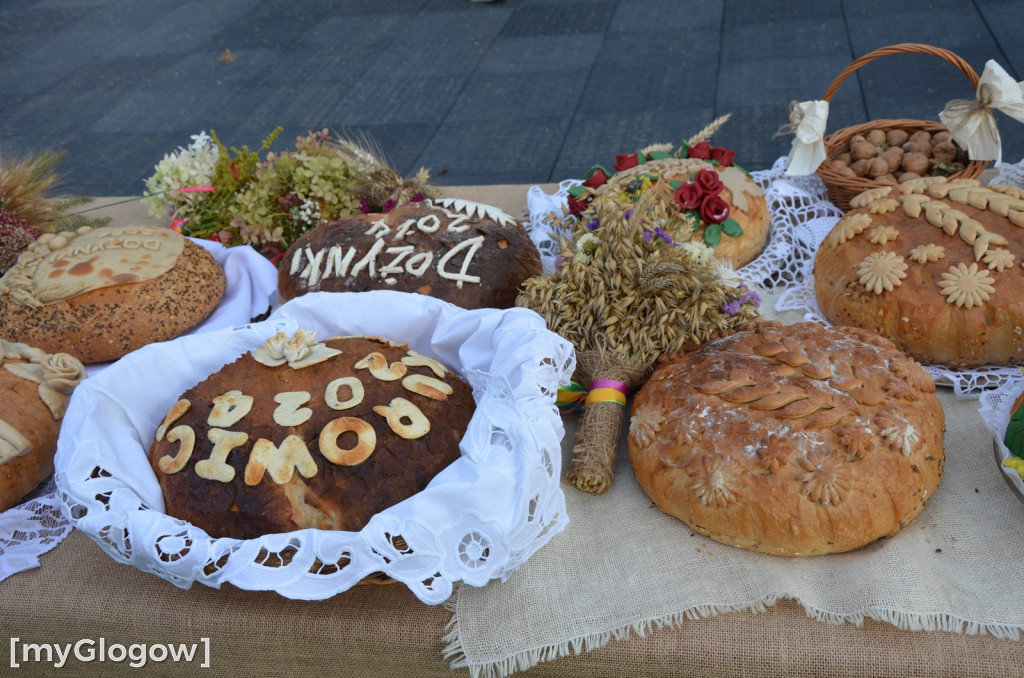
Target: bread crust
{"x": 26, "y": 416}
{"x": 471, "y": 255}
{"x": 333, "y": 419}
{"x": 105, "y": 324}
{"x": 749, "y": 209}
{"x": 933, "y": 266}
{"x": 792, "y": 440}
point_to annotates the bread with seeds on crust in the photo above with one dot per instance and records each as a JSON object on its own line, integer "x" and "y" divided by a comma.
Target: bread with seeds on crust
{"x": 101, "y": 293}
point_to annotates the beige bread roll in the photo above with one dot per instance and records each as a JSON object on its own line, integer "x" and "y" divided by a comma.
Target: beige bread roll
{"x": 933, "y": 265}
{"x": 102, "y": 293}
{"x": 306, "y": 434}
{"x": 792, "y": 440}
{"x": 34, "y": 390}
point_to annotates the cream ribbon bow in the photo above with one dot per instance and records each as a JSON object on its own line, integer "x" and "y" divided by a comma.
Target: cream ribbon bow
{"x": 971, "y": 123}
{"x": 807, "y": 120}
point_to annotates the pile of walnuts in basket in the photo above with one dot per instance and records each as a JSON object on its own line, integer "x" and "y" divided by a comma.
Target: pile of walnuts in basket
{"x": 896, "y": 156}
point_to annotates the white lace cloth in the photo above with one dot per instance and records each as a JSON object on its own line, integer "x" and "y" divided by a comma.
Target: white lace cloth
{"x": 995, "y": 411}
{"x": 478, "y": 520}
{"x": 36, "y": 526}
{"x": 801, "y": 217}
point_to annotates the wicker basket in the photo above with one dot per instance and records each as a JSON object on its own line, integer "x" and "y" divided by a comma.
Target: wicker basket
{"x": 842, "y": 188}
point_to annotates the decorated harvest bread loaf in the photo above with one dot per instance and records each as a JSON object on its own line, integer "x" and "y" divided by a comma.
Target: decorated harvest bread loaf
{"x": 472, "y": 255}
{"x": 102, "y": 293}
{"x": 934, "y": 265}
{"x": 685, "y": 191}
{"x": 306, "y": 434}
{"x": 791, "y": 440}
{"x": 34, "y": 390}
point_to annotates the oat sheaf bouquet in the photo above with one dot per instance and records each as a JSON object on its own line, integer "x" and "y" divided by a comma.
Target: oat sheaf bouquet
{"x": 631, "y": 287}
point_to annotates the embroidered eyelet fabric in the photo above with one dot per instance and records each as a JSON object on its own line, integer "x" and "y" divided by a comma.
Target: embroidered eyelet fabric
{"x": 35, "y": 526}
{"x": 478, "y": 520}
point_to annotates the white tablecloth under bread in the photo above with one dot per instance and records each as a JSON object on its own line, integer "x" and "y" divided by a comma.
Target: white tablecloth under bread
{"x": 623, "y": 567}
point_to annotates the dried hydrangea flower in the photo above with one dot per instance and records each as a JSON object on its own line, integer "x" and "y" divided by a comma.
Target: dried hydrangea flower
{"x": 966, "y": 286}
{"x": 923, "y": 254}
{"x": 882, "y": 271}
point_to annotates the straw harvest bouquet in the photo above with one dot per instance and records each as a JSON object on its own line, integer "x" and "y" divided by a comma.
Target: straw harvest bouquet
{"x": 631, "y": 286}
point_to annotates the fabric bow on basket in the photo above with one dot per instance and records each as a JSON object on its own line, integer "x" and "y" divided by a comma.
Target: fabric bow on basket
{"x": 631, "y": 287}
{"x": 972, "y": 123}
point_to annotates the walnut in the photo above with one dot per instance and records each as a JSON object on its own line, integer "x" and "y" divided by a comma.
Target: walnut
{"x": 944, "y": 151}
{"x": 860, "y": 167}
{"x": 862, "y": 150}
{"x": 915, "y": 162}
{"x": 878, "y": 167}
{"x": 896, "y": 137}
{"x": 875, "y": 137}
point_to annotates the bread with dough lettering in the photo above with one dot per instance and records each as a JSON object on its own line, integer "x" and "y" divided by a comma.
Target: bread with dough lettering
{"x": 935, "y": 266}
{"x": 302, "y": 433}
{"x": 100, "y": 293}
{"x": 34, "y": 390}
{"x": 793, "y": 440}
{"x": 472, "y": 255}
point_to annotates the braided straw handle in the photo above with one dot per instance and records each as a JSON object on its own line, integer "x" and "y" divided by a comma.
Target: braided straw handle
{"x": 903, "y": 48}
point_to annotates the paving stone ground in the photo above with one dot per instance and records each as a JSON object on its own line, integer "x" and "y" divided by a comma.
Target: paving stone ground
{"x": 515, "y": 91}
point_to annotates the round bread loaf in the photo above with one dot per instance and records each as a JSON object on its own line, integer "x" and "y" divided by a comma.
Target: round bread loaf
{"x": 748, "y": 206}
{"x": 305, "y": 434}
{"x": 792, "y": 440}
{"x": 102, "y": 293}
{"x": 472, "y": 255}
{"x": 34, "y": 390}
{"x": 935, "y": 266}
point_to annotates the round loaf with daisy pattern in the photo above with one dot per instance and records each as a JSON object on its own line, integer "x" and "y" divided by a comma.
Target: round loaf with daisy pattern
{"x": 935, "y": 266}
{"x": 794, "y": 440}
{"x": 472, "y": 255}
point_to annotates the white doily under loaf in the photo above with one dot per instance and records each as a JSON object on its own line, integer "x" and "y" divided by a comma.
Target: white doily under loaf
{"x": 792, "y": 201}
{"x": 966, "y": 383}
{"x": 37, "y": 525}
{"x": 995, "y": 410}
{"x": 478, "y": 520}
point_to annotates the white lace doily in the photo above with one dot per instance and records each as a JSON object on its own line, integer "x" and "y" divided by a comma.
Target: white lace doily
{"x": 37, "y": 525}
{"x": 478, "y": 520}
{"x": 995, "y": 410}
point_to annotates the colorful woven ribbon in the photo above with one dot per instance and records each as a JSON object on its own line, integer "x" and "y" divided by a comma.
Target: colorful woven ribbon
{"x": 575, "y": 397}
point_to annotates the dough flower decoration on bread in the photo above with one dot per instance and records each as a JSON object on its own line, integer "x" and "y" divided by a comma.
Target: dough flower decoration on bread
{"x": 629, "y": 289}
{"x": 711, "y": 198}
{"x": 940, "y": 274}
{"x": 268, "y": 199}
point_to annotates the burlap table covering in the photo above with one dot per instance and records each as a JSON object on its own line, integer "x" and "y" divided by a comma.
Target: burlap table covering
{"x": 569, "y": 600}
{"x": 623, "y": 567}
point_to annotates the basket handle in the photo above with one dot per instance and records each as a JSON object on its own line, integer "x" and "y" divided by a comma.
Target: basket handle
{"x": 904, "y": 48}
